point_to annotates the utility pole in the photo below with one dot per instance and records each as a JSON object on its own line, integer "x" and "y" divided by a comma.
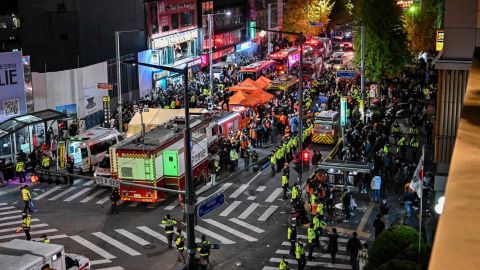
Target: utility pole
{"x": 362, "y": 68}
{"x": 119, "y": 82}
{"x": 300, "y": 109}
{"x": 210, "y": 52}
{"x": 269, "y": 26}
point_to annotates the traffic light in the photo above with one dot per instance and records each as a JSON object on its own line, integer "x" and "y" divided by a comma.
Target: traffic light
{"x": 305, "y": 156}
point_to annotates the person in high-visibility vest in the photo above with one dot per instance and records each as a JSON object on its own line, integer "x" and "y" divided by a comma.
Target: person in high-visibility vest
{"x": 46, "y": 162}
{"x": 284, "y": 186}
{"x": 25, "y": 223}
{"x": 180, "y": 244}
{"x": 311, "y": 241}
{"x": 292, "y": 236}
{"x": 20, "y": 170}
{"x": 283, "y": 264}
{"x": 295, "y": 193}
{"x": 273, "y": 161}
{"x": 169, "y": 222}
{"x": 313, "y": 199}
{"x": 27, "y": 197}
{"x": 45, "y": 239}
{"x": 300, "y": 255}
{"x": 204, "y": 249}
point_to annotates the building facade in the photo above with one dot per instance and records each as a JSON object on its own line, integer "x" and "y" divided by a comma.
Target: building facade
{"x": 9, "y": 26}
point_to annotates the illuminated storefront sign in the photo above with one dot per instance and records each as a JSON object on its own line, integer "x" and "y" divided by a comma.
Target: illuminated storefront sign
{"x": 171, "y": 40}
{"x": 244, "y": 46}
{"x": 223, "y": 53}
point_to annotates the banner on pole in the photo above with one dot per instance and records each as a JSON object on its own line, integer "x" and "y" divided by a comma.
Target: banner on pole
{"x": 343, "y": 111}
{"x": 417, "y": 181}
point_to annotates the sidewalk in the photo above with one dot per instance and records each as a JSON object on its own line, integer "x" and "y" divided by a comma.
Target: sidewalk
{"x": 14, "y": 185}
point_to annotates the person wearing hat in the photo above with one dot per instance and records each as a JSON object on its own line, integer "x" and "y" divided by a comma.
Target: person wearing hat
{"x": 45, "y": 239}
{"x": 27, "y": 197}
{"x": 25, "y": 225}
{"x": 273, "y": 161}
{"x": 300, "y": 255}
{"x": 291, "y": 236}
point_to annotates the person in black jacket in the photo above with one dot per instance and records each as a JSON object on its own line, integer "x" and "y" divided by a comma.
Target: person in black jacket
{"x": 379, "y": 225}
{"x": 114, "y": 197}
{"x": 333, "y": 244}
{"x": 353, "y": 246}
{"x": 346, "y": 199}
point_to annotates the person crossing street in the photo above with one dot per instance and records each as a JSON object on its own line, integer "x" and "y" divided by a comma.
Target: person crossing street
{"x": 45, "y": 239}
{"x": 114, "y": 198}
{"x": 300, "y": 255}
{"x": 27, "y": 198}
{"x": 25, "y": 223}
{"x": 291, "y": 236}
{"x": 285, "y": 186}
{"x": 180, "y": 244}
{"x": 283, "y": 264}
{"x": 204, "y": 248}
{"x": 169, "y": 223}
{"x": 311, "y": 241}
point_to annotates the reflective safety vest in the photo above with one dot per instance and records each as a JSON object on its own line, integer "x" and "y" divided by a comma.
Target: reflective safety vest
{"x": 401, "y": 142}
{"x": 414, "y": 143}
{"x": 26, "y": 194}
{"x": 166, "y": 107}
{"x": 299, "y": 251}
{"x": 284, "y": 181}
{"x": 291, "y": 233}
{"x": 412, "y": 130}
{"x": 311, "y": 235}
{"x": 283, "y": 265}
{"x": 233, "y": 155}
{"x": 320, "y": 209}
{"x": 46, "y": 162}
{"x": 204, "y": 248}
{"x": 395, "y": 129}
{"x": 169, "y": 224}
{"x": 294, "y": 193}
{"x": 313, "y": 199}
{"x": 180, "y": 242}
{"x": 385, "y": 148}
{"x": 316, "y": 222}
{"x": 20, "y": 166}
{"x": 46, "y": 240}
{"x": 273, "y": 160}
{"x": 26, "y": 223}
{"x": 172, "y": 104}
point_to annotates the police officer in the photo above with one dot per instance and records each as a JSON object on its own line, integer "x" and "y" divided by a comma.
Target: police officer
{"x": 311, "y": 241}
{"x": 26, "y": 225}
{"x": 204, "y": 249}
{"x": 295, "y": 193}
{"x": 169, "y": 222}
{"x": 20, "y": 170}
{"x": 180, "y": 244}
{"x": 283, "y": 264}
{"x": 285, "y": 186}
{"x": 273, "y": 161}
{"x": 45, "y": 239}
{"x": 291, "y": 236}
{"x": 70, "y": 165}
{"x": 300, "y": 255}
{"x": 46, "y": 162}
{"x": 27, "y": 197}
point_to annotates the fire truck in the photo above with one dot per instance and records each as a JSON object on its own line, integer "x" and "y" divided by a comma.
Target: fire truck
{"x": 326, "y": 127}
{"x": 157, "y": 159}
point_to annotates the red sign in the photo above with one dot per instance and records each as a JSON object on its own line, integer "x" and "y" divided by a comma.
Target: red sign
{"x": 176, "y": 6}
{"x": 223, "y": 53}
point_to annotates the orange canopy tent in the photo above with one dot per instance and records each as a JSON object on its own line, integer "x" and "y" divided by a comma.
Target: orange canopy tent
{"x": 264, "y": 81}
{"x": 250, "y": 99}
{"x": 248, "y": 85}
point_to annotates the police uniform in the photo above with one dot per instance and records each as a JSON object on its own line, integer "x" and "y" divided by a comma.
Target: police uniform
{"x": 26, "y": 225}
{"x": 27, "y": 197}
{"x": 169, "y": 223}
{"x": 284, "y": 186}
{"x": 180, "y": 244}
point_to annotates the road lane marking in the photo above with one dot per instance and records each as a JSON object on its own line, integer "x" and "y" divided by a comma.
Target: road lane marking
{"x": 171, "y": 206}
{"x": 88, "y": 183}
{"x": 104, "y": 200}
{"x": 365, "y": 217}
{"x": 10, "y": 212}
{"x": 261, "y": 188}
{"x": 15, "y": 222}
{"x": 100, "y": 251}
{"x": 112, "y": 268}
{"x": 2, "y": 204}
{"x": 10, "y": 217}
{"x": 255, "y": 177}
{"x": 78, "y": 194}
{"x": 268, "y": 213}
{"x": 251, "y": 198}
{"x": 153, "y": 233}
{"x": 310, "y": 263}
{"x": 197, "y": 240}
{"x": 274, "y": 195}
{"x": 98, "y": 192}
{"x": 315, "y": 255}
{"x": 230, "y": 208}
{"x": 249, "y": 210}
{"x": 46, "y": 193}
{"x": 97, "y": 262}
{"x": 226, "y": 186}
{"x": 117, "y": 244}
{"x": 230, "y": 230}
{"x": 70, "y": 189}
{"x": 220, "y": 238}
{"x": 16, "y": 228}
{"x": 286, "y": 243}
{"x": 239, "y": 191}
{"x": 8, "y": 207}
{"x": 133, "y": 237}
{"x": 31, "y": 233}
{"x": 247, "y": 225}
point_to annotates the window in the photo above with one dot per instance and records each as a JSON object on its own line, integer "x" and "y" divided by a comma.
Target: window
{"x": 105, "y": 163}
{"x": 127, "y": 172}
{"x": 101, "y": 147}
{"x": 174, "y": 21}
{"x": 186, "y": 19}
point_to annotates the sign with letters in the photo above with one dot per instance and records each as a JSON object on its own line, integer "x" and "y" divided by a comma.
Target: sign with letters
{"x": 210, "y": 204}
{"x": 12, "y": 86}
{"x": 440, "y": 40}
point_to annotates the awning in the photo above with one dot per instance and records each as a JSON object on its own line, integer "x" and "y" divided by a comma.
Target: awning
{"x": 346, "y": 166}
{"x": 14, "y": 124}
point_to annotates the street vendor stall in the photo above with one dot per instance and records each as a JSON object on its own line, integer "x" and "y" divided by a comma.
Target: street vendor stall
{"x": 244, "y": 101}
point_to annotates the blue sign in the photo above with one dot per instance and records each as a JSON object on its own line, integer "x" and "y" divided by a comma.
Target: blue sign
{"x": 316, "y": 23}
{"x": 346, "y": 74}
{"x": 211, "y": 204}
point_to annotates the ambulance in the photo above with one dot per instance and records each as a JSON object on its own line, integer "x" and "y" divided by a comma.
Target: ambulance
{"x": 326, "y": 127}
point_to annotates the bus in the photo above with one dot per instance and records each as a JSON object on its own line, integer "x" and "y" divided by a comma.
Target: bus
{"x": 282, "y": 86}
{"x": 285, "y": 59}
{"x": 88, "y": 149}
{"x": 257, "y": 69}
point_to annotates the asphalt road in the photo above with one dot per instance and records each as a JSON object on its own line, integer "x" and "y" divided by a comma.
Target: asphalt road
{"x": 250, "y": 226}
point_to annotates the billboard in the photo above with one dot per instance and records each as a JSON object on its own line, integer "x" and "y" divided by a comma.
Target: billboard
{"x": 12, "y": 86}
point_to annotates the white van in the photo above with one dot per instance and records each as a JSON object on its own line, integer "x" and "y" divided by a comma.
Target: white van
{"x": 88, "y": 149}
{"x": 30, "y": 255}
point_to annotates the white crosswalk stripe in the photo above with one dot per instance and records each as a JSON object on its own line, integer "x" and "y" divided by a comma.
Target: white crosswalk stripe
{"x": 261, "y": 188}
{"x": 230, "y": 208}
{"x": 100, "y": 251}
{"x": 268, "y": 213}
{"x": 16, "y": 228}
{"x": 309, "y": 263}
{"x": 220, "y": 238}
{"x": 16, "y": 222}
{"x": 10, "y": 212}
{"x": 249, "y": 210}
{"x": 153, "y": 233}
{"x": 104, "y": 200}
{"x": 95, "y": 194}
{"x": 46, "y": 193}
{"x": 10, "y": 217}
{"x": 97, "y": 262}
{"x": 171, "y": 206}
{"x": 111, "y": 268}
{"x": 31, "y": 233}
{"x": 230, "y": 230}
{"x": 239, "y": 191}
{"x": 65, "y": 192}
{"x": 315, "y": 255}
{"x": 133, "y": 237}
{"x": 78, "y": 194}
{"x": 197, "y": 240}
{"x": 246, "y": 225}
{"x": 2, "y": 204}
{"x": 117, "y": 244}
{"x": 88, "y": 183}
{"x": 8, "y": 207}
{"x": 286, "y": 243}
{"x": 274, "y": 195}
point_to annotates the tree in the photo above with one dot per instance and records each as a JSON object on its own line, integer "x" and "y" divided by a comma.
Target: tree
{"x": 386, "y": 51}
{"x": 420, "y": 25}
{"x": 397, "y": 248}
{"x": 299, "y": 14}
{"x": 344, "y": 12}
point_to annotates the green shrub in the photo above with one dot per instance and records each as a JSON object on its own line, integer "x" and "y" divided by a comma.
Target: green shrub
{"x": 398, "y": 264}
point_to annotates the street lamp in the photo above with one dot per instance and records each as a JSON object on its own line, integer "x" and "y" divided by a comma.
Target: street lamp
{"x": 119, "y": 76}
{"x": 210, "y": 49}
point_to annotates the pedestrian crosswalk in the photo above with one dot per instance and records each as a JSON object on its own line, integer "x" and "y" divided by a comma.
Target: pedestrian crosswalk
{"x": 321, "y": 256}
